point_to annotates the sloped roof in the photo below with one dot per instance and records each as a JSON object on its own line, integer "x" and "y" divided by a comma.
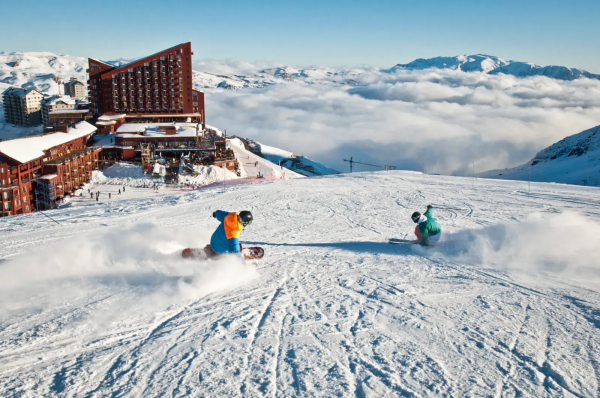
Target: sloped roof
{"x": 126, "y": 66}
{"x": 26, "y": 149}
{"x": 55, "y": 99}
{"x": 73, "y": 82}
{"x": 21, "y": 92}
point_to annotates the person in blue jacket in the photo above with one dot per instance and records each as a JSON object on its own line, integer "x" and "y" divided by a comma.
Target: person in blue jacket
{"x": 225, "y": 240}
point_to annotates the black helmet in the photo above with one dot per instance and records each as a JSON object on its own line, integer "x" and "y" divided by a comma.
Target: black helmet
{"x": 415, "y": 217}
{"x": 246, "y": 218}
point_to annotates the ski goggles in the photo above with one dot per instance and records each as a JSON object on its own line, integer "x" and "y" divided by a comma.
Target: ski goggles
{"x": 415, "y": 219}
{"x": 245, "y": 224}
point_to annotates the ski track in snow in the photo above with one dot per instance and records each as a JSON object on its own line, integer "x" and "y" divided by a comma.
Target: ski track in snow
{"x": 335, "y": 310}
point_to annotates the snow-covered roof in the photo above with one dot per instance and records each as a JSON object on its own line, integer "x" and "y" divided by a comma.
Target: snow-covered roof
{"x": 48, "y": 176}
{"x": 26, "y": 149}
{"x": 102, "y": 62}
{"x": 21, "y": 92}
{"x": 166, "y": 115}
{"x": 55, "y": 99}
{"x": 59, "y": 111}
{"x": 108, "y": 123}
{"x": 70, "y": 83}
{"x": 157, "y": 129}
{"x": 111, "y": 117}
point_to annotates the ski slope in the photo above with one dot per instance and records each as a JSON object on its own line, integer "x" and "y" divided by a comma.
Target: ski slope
{"x": 99, "y": 303}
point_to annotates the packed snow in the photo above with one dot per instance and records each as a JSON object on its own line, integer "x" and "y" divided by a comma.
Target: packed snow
{"x": 98, "y": 302}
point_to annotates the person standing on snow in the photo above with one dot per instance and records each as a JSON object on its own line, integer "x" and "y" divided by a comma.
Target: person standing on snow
{"x": 428, "y": 231}
{"x": 225, "y": 240}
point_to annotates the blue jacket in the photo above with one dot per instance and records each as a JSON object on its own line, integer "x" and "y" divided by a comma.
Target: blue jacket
{"x": 225, "y": 239}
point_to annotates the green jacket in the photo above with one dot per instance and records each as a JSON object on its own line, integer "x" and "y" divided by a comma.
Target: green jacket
{"x": 428, "y": 228}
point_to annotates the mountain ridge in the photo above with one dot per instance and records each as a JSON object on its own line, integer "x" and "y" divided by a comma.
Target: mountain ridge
{"x": 494, "y": 65}
{"x": 38, "y": 69}
{"x": 573, "y": 160}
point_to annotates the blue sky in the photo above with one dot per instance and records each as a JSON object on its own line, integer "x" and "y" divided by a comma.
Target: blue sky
{"x": 334, "y": 33}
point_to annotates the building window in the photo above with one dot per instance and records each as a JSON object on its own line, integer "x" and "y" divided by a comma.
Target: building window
{"x": 6, "y": 205}
{"x": 5, "y": 195}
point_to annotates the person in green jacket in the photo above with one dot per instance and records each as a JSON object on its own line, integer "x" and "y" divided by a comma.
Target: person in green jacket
{"x": 428, "y": 231}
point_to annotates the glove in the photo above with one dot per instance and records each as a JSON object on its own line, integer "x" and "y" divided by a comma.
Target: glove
{"x": 214, "y": 214}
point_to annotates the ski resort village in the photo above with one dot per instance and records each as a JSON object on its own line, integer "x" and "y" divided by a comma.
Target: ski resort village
{"x": 187, "y": 224}
{"x": 145, "y": 114}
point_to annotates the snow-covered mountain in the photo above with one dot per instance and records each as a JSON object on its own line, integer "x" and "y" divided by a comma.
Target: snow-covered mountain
{"x": 38, "y": 70}
{"x": 279, "y": 75}
{"x": 470, "y": 63}
{"x": 494, "y": 65}
{"x": 573, "y": 160}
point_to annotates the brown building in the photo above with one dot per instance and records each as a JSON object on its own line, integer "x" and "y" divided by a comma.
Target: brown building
{"x": 173, "y": 140}
{"x": 36, "y": 171}
{"x": 61, "y": 103}
{"x": 158, "y": 84}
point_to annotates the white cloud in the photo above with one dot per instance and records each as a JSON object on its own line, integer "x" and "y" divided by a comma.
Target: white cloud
{"x": 443, "y": 119}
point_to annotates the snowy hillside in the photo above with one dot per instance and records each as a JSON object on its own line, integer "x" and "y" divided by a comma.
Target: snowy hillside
{"x": 279, "y": 75}
{"x": 103, "y": 305}
{"x": 299, "y": 164}
{"x": 494, "y": 65}
{"x": 38, "y": 69}
{"x": 573, "y": 160}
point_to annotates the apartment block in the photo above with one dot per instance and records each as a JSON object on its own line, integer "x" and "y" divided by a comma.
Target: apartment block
{"x": 22, "y": 106}
{"x": 154, "y": 86}
{"x": 75, "y": 89}
{"x": 37, "y": 171}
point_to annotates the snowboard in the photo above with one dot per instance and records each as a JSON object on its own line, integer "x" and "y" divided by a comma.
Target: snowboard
{"x": 249, "y": 253}
{"x": 395, "y": 241}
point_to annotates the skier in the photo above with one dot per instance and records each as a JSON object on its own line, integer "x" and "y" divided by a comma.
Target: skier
{"x": 428, "y": 231}
{"x": 119, "y": 191}
{"x": 225, "y": 240}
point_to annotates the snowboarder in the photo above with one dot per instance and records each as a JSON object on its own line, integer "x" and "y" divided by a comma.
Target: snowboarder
{"x": 119, "y": 191}
{"x": 428, "y": 231}
{"x": 225, "y": 240}
{"x": 123, "y": 188}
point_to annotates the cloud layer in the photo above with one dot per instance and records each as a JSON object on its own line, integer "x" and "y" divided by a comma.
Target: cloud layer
{"x": 438, "y": 120}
